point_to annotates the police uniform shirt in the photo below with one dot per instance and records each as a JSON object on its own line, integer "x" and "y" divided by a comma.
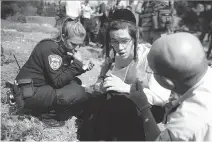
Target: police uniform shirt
{"x": 47, "y": 64}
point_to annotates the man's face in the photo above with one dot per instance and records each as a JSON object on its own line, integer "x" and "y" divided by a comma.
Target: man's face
{"x": 162, "y": 81}
{"x": 158, "y": 77}
{"x": 122, "y": 43}
{"x": 208, "y": 7}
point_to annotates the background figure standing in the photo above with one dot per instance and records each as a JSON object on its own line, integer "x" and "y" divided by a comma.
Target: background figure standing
{"x": 131, "y": 6}
{"x": 120, "y": 4}
{"x": 85, "y": 19}
{"x": 73, "y": 9}
{"x": 155, "y": 17}
{"x": 205, "y": 21}
{"x": 105, "y": 10}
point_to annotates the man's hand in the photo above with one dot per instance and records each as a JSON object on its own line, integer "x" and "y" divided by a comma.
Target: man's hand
{"x": 114, "y": 83}
{"x": 98, "y": 85}
{"x": 87, "y": 65}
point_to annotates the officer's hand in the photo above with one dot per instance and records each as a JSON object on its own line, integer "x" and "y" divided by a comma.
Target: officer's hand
{"x": 77, "y": 56}
{"x": 87, "y": 65}
{"x": 98, "y": 86}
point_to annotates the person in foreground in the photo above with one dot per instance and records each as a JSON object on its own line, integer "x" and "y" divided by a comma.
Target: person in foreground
{"x": 127, "y": 61}
{"x": 178, "y": 62}
{"x": 48, "y": 81}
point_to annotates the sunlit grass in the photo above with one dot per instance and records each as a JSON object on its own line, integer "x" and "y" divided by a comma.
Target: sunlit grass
{"x": 19, "y": 40}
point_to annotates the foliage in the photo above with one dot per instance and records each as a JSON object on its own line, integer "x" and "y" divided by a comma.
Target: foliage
{"x": 17, "y": 10}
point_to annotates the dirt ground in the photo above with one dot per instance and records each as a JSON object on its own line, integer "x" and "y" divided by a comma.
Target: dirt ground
{"x": 19, "y": 39}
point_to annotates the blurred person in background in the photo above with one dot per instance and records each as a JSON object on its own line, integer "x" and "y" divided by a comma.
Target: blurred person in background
{"x": 105, "y": 10}
{"x": 119, "y": 4}
{"x": 73, "y": 9}
{"x": 85, "y": 19}
{"x": 205, "y": 19}
{"x": 155, "y": 18}
{"x": 131, "y": 6}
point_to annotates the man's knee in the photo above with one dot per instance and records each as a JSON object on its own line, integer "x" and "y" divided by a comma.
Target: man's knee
{"x": 121, "y": 104}
{"x": 70, "y": 94}
{"x": 77, "y": 80}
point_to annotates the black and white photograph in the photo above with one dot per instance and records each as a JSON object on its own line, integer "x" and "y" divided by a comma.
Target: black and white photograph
{"x": 106, "y": 70}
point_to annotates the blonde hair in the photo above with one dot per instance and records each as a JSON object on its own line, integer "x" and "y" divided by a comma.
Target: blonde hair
{"x": 73, "y": 28}
{"x": 70, "y": 29}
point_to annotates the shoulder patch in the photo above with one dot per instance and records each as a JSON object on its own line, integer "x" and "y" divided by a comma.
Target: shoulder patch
{"x": 55, "y": 61}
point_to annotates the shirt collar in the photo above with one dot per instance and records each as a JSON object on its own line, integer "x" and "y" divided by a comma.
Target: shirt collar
{"x": 186, "y": 95}
{"x": 61, "y": 48}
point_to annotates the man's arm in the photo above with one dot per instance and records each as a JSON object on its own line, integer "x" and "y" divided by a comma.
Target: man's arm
{"x": 137, "y": 95}
{"x": 151, "y": 128}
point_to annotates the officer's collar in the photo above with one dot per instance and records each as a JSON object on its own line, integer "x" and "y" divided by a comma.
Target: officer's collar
{"x": 62, "y": 47}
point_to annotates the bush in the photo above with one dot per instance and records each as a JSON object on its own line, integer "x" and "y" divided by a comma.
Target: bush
{"x": 17, "y": 10}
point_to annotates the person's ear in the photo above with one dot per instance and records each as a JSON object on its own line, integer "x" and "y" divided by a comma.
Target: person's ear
{"x": 169, "y": 83}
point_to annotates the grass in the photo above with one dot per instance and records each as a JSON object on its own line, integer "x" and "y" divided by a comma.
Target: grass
{"x": 19, "y": 39}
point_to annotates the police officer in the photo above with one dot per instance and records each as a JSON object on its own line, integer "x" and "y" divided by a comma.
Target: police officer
{"x": 47, "y": 81}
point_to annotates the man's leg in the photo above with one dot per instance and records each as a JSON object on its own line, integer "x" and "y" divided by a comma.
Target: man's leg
{"x": 120, "y": 120}
{"x": 158, "y": 113}
{"x": 90, "y": 118}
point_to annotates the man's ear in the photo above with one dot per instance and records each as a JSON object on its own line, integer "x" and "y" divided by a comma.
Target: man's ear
{"x": 169, "y": 83}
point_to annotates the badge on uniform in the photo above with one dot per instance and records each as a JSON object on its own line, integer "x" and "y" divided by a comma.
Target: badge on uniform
{"x": 55, "y": 61}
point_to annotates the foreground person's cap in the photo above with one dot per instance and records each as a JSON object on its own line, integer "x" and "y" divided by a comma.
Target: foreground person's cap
{"x": 178, "y": 55}
{"x": 123, "y": 15}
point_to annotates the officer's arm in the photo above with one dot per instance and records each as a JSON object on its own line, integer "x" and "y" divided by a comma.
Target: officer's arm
{"x": 64, "y": 75}
{"x": 57, "y": 74}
